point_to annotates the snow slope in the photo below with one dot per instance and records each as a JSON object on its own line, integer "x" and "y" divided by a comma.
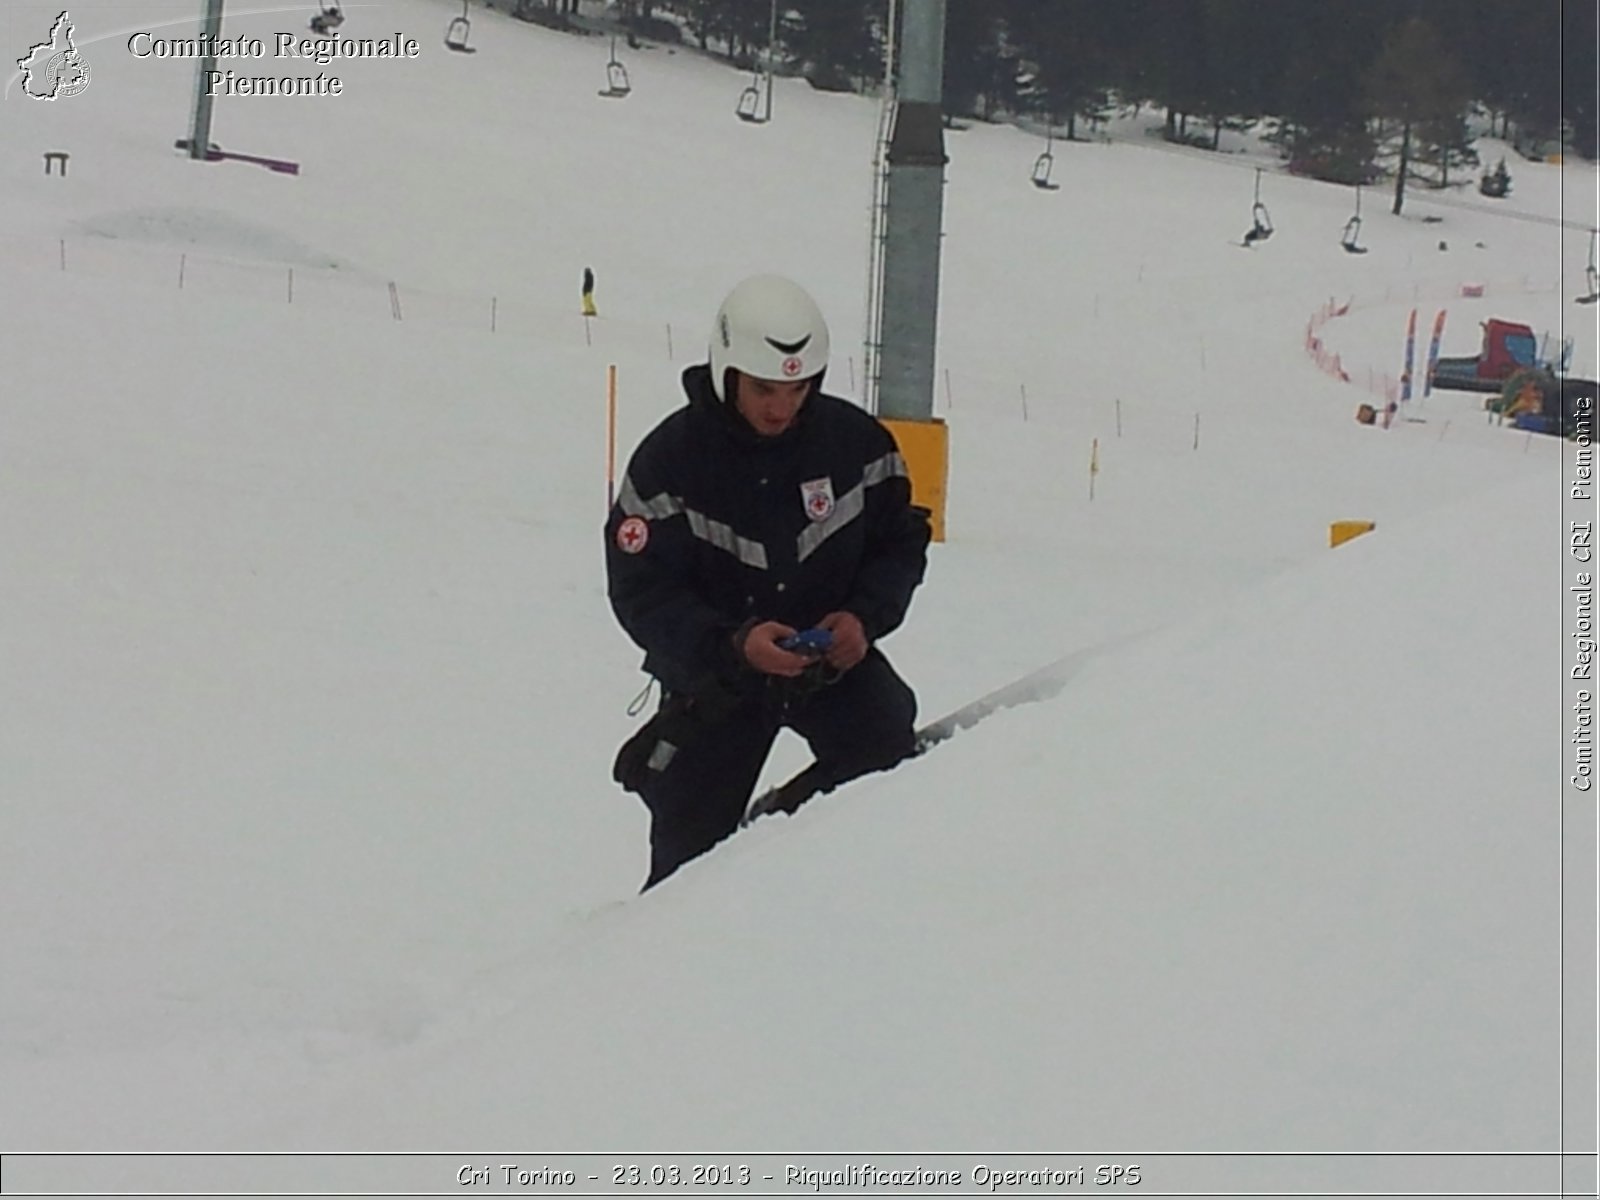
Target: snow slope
{"x": 310, "y": 689}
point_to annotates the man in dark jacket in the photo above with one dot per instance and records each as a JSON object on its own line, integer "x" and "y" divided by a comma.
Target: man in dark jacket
{"x": 762, "y": 508}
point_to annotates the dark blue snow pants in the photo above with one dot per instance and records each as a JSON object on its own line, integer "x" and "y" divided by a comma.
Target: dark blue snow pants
{"x": 862, "y": 722}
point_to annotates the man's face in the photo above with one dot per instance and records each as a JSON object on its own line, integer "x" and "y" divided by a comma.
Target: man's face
{"x": 770, "y": 405}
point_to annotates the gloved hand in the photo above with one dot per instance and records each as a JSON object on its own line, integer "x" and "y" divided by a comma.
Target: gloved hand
{"x": 758, "y": 646}
{"x": 849, "y": 640}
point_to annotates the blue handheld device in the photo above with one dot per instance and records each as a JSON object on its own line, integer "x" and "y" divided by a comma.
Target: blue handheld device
{"x": 813, "y": 643}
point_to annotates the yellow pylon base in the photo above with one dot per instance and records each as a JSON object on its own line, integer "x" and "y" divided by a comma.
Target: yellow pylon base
{"x": 925, "y": 445}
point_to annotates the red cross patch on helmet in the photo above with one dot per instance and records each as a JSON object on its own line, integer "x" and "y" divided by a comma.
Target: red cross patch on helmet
{"x": 792, "y": 366}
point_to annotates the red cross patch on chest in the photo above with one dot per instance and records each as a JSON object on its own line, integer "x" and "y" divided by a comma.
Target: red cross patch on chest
{"x": 817, "y": 496}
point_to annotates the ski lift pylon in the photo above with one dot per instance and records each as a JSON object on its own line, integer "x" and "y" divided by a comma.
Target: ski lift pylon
{"x": 1043, "y": 165}
{"x": 617, "y": 85}
{"x": 455, "y": 34}
{"x": 1350, "y": 239}
{"x": 1260, "y": 220}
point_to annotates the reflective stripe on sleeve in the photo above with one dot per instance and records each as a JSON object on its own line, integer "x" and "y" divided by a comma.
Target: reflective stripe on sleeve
{"x": 716, "y": 533}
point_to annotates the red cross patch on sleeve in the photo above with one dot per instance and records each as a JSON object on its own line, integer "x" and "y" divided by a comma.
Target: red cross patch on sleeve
{"x": 632, "y": 535}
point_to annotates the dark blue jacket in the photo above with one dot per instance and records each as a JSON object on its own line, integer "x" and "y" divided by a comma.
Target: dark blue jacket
{"x": 716, "y": 527}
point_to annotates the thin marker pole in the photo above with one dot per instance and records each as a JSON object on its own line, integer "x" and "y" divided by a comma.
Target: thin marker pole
{"x": 611, "y": 435}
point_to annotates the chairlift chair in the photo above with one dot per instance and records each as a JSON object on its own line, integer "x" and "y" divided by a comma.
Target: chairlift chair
{"x": 1042, "y": 167}
{"x": 1260, "y": 220}
{"x": 1592, "y": 273}
{"x": 749, "y": 106}
{"x": 455, "y": 34}
{"x": 1350, "y": 239}
{"x": 616, "y": 77}
{"x": 328, "y": 19}
{"x": 1261, "y": 226}
{"x": 1041, "y": 172}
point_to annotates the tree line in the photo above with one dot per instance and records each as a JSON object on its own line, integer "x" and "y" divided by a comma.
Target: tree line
{"x": 1350, "y": 90}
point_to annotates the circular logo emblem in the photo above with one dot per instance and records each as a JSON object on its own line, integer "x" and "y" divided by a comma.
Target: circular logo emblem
{"x": 792, "y": 366}
{"x": 68, "y": 75}
{"x": 632, "y": 535}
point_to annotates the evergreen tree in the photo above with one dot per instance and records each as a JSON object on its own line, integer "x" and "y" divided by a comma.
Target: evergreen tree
{"x": 737, "y": 28}
{"x": 1417, "y": 84}
{"x": 1512, "y": 54}
{"x": 837, "y": 42}
{"x": 1245, "y": 40}
{"x": 1331, "y": 76}
{"x": 1321, "y": 112}
{"x": 1445, "y": 145}
{"x": 965, "y": 25}
{"x": 1580, "y": 97}
{"x": 980, "y": 69}
{"x": 1177, "y": 54}
{"x": 1071, "y": 75}
{"x": 1483, "y": 36}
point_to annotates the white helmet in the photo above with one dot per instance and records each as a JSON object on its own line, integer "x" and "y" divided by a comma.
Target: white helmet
{"x": 770, "y": 328}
